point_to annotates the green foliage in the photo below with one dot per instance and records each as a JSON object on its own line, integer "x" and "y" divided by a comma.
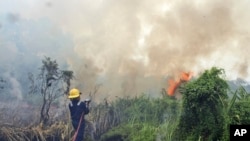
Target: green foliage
{"x": 131, "y": 132}
{"x": 142, "y": 118}
{"x": 117, "y": 133}
{"x": 167, "y": 128}
{"x": 203, "y": 115}
{"x": 239, "y": 111}
{"x": 144, "y": 109}
{"x": 145, "y": 132}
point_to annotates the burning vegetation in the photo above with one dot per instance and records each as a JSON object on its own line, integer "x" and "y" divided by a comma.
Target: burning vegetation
{"x": 125, "y": 49}
{"x": 173, "y": 85}
{"x": 145, "y": 118}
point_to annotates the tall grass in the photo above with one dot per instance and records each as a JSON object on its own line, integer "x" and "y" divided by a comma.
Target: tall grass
{"x": 143, "y": 118}
{"x": 167, "y": 129}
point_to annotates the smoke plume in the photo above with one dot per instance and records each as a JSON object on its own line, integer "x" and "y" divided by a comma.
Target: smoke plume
{"x": 130, "y": 47}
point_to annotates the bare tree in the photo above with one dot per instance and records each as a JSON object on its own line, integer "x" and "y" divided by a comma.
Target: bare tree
{"x": 51, "y": 83}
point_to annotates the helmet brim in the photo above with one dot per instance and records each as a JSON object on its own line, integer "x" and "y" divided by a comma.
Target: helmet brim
{"x": 73, "y": 96}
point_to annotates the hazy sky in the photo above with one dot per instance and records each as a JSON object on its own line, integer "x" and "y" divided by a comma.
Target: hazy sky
{"x": 129, "y": 46}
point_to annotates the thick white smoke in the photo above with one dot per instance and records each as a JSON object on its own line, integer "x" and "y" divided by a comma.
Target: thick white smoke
{"x": 131, "y": 47}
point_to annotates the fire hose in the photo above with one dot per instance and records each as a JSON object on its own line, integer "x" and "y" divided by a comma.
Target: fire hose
{"x": 80, "y": 122}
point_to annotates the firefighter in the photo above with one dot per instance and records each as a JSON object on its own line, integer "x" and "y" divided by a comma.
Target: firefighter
{"x": 78, "y": 109}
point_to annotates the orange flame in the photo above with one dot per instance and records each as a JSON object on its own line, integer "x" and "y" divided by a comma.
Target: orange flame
{"x": 173, "y": 85}
{"x": 186, "y": 76}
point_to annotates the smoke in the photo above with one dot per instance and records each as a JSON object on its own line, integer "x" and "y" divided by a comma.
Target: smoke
{"x": 23, "y": 45}
{"x": 15, "y": 91}
{"x": 130, "y": 47}
{"x": 136, "y": 44}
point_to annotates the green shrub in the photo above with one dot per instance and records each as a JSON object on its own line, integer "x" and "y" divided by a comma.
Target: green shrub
{"x": 240, "y": 113}
{"x": 203, "y": 112}
{"x": 131, "y": 132}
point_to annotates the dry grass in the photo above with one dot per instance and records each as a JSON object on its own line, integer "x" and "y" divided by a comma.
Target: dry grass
{"x": 101, "y": 118}
{"x": 56, "y": 132}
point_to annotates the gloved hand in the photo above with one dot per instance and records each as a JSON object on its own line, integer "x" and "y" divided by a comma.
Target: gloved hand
{"x": 87, "y": 101}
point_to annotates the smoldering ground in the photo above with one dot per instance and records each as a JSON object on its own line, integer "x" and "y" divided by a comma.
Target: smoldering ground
{"x": 130, "y": 47}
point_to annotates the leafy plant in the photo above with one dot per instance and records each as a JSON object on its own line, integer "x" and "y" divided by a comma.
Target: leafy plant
{"x": 239, "y": 109}
{"x": 202, "y": 116}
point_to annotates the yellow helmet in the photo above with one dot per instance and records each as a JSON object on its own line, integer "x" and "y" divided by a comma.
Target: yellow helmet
{"x": 74, "y": 93}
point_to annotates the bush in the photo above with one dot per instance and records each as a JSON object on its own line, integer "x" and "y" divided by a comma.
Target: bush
{"x": 203, "y": 115}
{"x": 131, "y": 132}
{"x": 240, "y": 113}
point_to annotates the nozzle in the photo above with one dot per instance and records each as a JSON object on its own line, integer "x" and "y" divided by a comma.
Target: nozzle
{"x": 87, "y": 100}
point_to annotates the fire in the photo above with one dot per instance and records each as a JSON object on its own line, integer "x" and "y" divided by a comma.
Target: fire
{"x": 173, "y": 85}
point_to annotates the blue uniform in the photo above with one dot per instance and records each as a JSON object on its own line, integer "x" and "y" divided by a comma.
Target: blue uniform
{"x": 77, "y": 110}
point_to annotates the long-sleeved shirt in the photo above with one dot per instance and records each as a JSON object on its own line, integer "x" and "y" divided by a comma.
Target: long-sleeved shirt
{"x": 77, "y": 108}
